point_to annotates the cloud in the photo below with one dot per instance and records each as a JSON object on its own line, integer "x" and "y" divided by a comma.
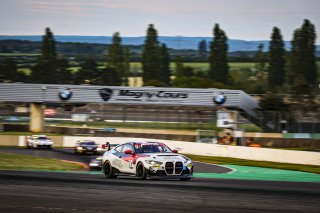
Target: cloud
{"x": 155, "y": 7}
{"x": 239, "y": 18}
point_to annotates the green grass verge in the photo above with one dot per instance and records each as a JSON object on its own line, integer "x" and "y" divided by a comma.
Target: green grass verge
{"x": 157, "y": 125}
{"x": 19, "y": 54}
{"x": 144, "y": 125}
{"x": 198, "y": 66}
{"x": 243, "y": 162}
{"x": 24, "y": 162}
{"x": 137, "y": 67}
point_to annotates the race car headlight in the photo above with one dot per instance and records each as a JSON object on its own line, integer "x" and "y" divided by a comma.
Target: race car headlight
{"x": 153, "y": 162}
{"x": 80, "y": 148}
{"x": 99, "y": 149}
{"x": 189, "y": 166}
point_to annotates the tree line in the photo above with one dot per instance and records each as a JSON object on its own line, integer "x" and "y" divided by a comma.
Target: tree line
{"x": 281, "y": 70}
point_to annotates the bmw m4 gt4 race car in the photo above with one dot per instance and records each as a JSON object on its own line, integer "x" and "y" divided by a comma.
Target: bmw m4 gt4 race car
{"x": 146, "y": 159}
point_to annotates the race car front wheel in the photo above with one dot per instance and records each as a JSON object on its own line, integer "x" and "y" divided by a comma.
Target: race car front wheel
{"x": 108, "y": 170}
{"x": 141, "y": 171}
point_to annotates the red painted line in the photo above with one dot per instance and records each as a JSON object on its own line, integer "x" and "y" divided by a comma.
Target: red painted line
{"x": 83, "y": 165}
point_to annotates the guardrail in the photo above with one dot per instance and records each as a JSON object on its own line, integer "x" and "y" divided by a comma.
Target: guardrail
{"x": 249, "y": 153}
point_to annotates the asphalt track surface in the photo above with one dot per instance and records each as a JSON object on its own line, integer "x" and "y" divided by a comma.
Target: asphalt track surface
{"x": 22, "y": 191}
{"x": 67, "y": 154}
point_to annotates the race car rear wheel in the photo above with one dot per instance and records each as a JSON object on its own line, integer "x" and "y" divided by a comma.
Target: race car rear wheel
{"x": 141, "y": 171}
{"x": 108, "y": 170}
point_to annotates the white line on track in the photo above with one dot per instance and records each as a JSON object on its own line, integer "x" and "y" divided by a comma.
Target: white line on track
{"x": 232, "y": 170}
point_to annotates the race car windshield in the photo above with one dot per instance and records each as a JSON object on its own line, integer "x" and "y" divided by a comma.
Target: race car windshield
{"x": 42, "y": 138}
{"x": 88, "y": 143}
{"x": 151, "y": 148}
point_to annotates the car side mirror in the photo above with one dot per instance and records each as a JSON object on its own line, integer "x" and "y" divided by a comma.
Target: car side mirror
{"x": 128, "y": 152}
{"x": 106, "y": 146}
{"x": 175, "y": 151}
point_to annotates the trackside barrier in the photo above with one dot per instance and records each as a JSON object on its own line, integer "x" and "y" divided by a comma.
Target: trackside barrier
{"x": 249, "y": 153}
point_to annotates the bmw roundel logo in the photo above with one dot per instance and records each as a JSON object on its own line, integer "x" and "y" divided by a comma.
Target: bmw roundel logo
{"x": 219, "y": 98}
{"x": 65, "y": 94}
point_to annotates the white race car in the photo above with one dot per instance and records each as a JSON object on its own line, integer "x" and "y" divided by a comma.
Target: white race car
{"x": 38, "y": 141}
{"x": 146, "y": 159}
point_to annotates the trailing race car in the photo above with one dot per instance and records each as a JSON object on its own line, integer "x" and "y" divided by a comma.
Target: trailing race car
{"x": 146, "y": 159}
{"x": 39, "y": 141}
{"x": 95, "y": 163}
{"x": 86, "y": 146}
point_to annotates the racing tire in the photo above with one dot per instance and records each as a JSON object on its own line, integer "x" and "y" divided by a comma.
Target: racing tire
{"x": 185, "y": 179}
{"x": 108, "y": 170}
{"x": 141, "y": 171}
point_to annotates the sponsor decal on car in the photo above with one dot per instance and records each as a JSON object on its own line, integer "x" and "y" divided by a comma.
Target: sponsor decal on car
{"x": 117, "y": 163}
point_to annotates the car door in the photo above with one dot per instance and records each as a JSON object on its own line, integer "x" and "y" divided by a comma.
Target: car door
{"x": 127, "y": 159}
{"x": 31, "y": 141}
{"x": 115, "y": 158}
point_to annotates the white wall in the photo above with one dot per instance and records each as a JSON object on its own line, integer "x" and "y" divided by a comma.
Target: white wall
{"x": 70, "y": 141}
{"x": 22, "y": 141}
{"x": 250, "y": 153}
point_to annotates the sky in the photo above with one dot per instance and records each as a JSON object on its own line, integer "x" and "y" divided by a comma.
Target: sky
{"x": 240, "y": 19}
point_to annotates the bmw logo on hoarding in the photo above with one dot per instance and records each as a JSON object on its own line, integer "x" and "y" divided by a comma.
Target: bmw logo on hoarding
{"x": 219, "y": 98}
{"x": 65, "y": 94}
{"x": 105, "y": 93}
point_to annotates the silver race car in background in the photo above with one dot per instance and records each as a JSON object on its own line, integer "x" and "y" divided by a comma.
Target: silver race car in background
{"x": 39, "y": 141}
{"x": 146, "y": 159}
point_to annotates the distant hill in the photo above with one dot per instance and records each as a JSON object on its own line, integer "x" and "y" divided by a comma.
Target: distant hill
{"x": 175, "y": 42}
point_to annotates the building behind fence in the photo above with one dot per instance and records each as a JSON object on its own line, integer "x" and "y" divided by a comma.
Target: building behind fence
{"x": 175, "y": 118}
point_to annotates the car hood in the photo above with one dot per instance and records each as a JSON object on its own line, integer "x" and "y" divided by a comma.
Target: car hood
{"x": 164, "y": 157}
